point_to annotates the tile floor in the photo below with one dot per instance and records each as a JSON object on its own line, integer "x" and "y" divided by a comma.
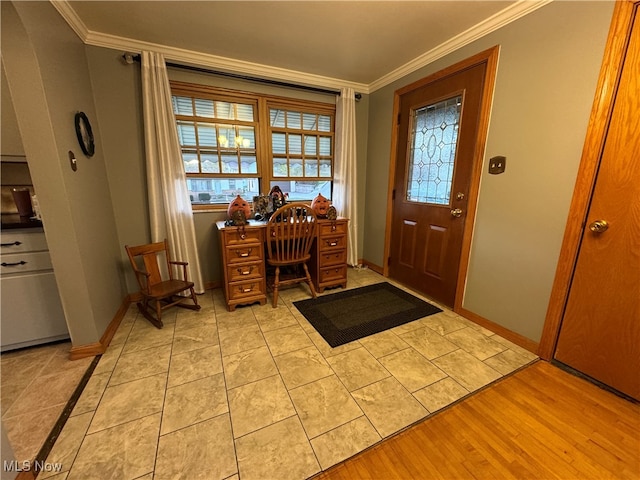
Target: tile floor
{"x": 36, "y": 385}
{"x": 258, "y": 394}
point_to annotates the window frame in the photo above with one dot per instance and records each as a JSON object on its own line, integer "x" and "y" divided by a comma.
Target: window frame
{"x": 263, "y": 132}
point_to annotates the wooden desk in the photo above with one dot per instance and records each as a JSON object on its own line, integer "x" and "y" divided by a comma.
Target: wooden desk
{"x": 244, "y": 260}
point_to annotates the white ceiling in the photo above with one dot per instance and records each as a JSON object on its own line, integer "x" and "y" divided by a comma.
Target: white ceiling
{"x": 364, "y": 44}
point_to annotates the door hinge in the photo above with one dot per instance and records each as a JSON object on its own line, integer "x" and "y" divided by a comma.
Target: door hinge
{"x": 398, "y": 120}
{"x": 393, "y": 194}
{"x": 388, "y": 261}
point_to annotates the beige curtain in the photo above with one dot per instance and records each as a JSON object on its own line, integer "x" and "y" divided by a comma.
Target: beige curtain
{"x": 345, "y": 177}
{"x": 170, "y": 211}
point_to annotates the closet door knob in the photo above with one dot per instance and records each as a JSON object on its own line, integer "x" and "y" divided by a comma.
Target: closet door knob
{"x": 599, "y": 226}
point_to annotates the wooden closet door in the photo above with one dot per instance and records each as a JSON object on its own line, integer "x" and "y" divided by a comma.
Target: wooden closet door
{"x": 600, "y": 331}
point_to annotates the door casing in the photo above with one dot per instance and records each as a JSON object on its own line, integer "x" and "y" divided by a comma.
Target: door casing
{"x": 490, "y": 57}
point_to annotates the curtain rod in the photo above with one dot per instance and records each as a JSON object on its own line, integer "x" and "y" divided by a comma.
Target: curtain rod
{"x": 130, "y": 58}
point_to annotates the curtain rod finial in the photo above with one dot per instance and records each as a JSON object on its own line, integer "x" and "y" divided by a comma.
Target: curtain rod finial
{"x": 128, "y": 58}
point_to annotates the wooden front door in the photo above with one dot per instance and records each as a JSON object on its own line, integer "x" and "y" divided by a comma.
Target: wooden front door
{"x": 600, "y": 330}
{"x": 436, "y": 147}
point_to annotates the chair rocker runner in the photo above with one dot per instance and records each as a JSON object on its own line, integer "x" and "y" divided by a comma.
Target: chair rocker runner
{"x": 146, "y": 261}
{"x": 290, "y": 233}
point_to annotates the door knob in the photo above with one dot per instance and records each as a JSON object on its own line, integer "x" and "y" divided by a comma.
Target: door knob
{"x": 456, "y": 212}
{"x": 599, "y": 226}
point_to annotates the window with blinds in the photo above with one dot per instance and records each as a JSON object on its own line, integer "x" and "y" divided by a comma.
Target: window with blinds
{"x": 245, "y": 144}
{"x": 301, "y": 151}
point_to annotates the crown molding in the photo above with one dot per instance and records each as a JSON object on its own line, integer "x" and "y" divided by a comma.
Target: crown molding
{"x": 500, "y": 19}
{"x": 225, "y": 64}
{"x": 69, "y": 14}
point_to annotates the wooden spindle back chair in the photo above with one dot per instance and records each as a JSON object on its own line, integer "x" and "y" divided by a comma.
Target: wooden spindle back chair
{"x": 291, "y": 231}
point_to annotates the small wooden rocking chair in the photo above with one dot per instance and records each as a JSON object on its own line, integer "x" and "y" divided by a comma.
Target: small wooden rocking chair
{"x": 146, "y": 261}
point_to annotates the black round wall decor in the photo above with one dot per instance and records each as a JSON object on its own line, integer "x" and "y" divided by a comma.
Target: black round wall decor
{"x": 84, "y": 134}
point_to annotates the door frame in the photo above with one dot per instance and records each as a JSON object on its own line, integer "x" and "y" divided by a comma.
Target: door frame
{"x": 612, "y": 64}
{"x": 490, "y": 57}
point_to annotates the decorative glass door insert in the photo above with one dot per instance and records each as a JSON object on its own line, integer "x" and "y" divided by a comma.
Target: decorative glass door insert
{"x": 434, "y": 138}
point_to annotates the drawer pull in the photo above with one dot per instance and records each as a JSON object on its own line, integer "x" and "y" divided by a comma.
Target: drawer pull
{"x": 245, "y": 290}
{"x": 16, "y": 243}
{"x": 240, "y": 253}
{"x": 245, "y": 272}
{"x": 333, "y": 243}
{"x": 334, "y": 228}
{"x": 5, "y": 264}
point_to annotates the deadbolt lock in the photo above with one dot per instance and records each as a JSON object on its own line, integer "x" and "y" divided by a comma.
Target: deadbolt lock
{"x": 460, "y": 196}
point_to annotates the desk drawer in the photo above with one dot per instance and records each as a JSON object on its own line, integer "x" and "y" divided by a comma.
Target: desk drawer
{"x": 245, "y": 253}
{"x": 235, "y": 236}
{"x": 247, "y": 289}
{"x": 332, "y": 242}
{"x": 329, "y": 228}
{"x": 328, "y": 258}
{"x": 336, "y": 274}
{"x": 25, "y": 262}
{"x": 245, "y": 271}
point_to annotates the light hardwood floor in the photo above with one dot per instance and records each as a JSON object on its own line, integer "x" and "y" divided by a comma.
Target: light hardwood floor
{"x": 541, "y": 423}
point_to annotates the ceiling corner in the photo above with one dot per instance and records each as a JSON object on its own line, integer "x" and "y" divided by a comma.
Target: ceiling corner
{"x": 504, "y": 17}
{"x": 70, "y": 16}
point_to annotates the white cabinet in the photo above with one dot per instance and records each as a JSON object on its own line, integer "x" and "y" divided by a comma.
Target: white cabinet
{"x": 31, "y": 312}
